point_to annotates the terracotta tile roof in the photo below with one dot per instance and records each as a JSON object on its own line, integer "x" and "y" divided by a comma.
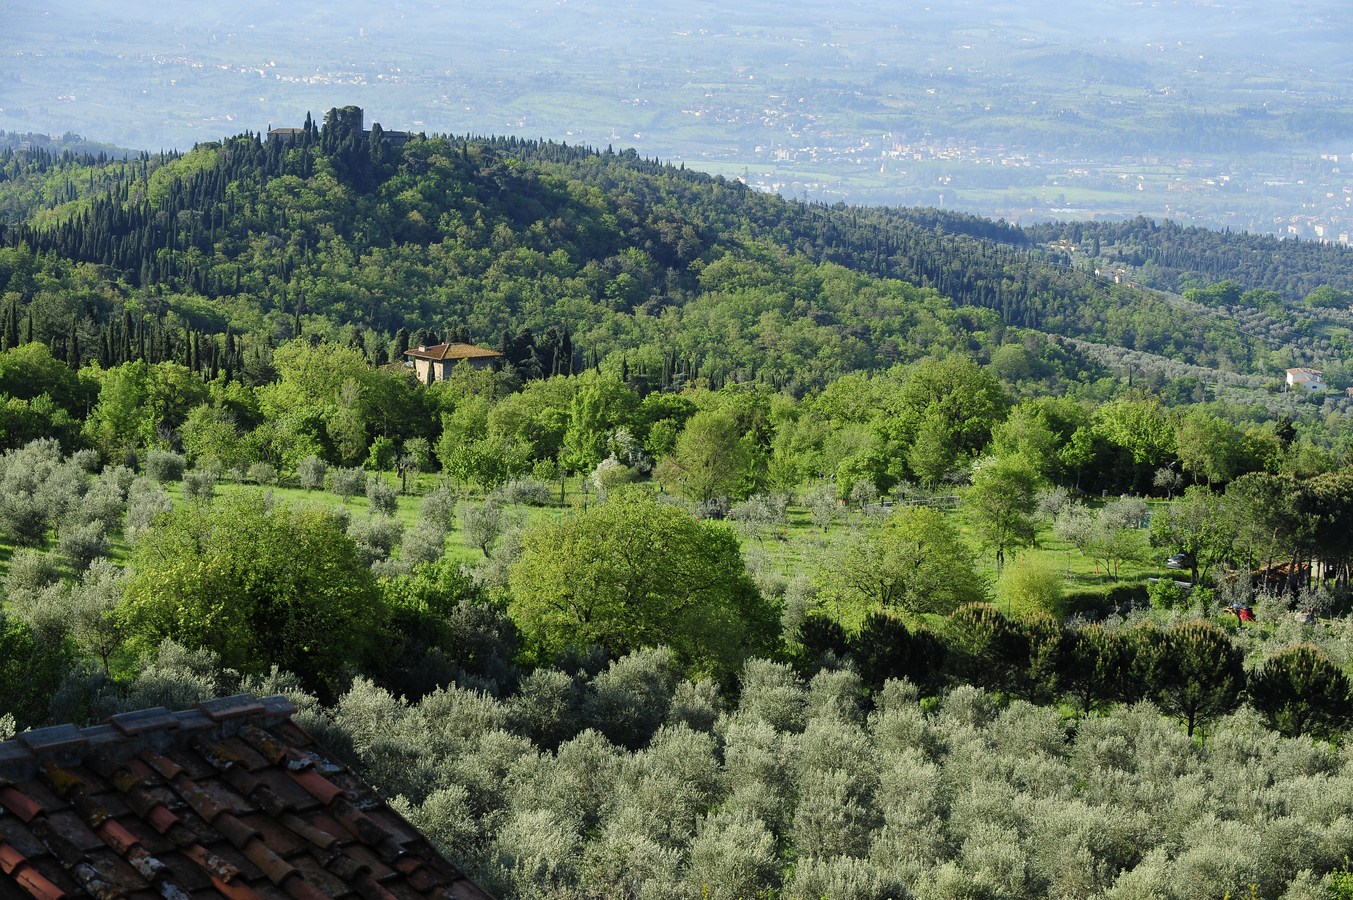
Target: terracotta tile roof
{"x": 452, "y": 351}
{"x": 229, "y": 799}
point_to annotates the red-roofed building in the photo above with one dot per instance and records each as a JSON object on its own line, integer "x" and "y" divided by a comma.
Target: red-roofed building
{"x": 229, "y": 799}
{"x": 436, "y": 362}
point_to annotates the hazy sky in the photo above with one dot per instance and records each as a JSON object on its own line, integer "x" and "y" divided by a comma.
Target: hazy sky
{"x": 157, "y": 74}
{"x": 911, "y": 103}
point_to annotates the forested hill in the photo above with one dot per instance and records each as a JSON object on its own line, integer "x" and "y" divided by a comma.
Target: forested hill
{"x": 1172, "y": 257}
{"x": 532, "y": 247}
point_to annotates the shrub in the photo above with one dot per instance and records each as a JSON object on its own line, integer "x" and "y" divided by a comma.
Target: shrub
{"x": 164, "y": 465}
{"x": 310, "y": 472}
{"x": 770, "y": 583}
{"x": 176, "y": 676}
{"x": 347, "y": 482}
{"x": 381, "y": 495}
{"x": 1166, "y": 593}
{"x": 1029, "y": 584}
{"x": 199, "y": 485}
{"x": 263, "y": 473}
{"x": 758, "y": 762}
{"x": 836, "y": 694}
{"x": 82, "y": 544}
{"x": 1095, "y": 603}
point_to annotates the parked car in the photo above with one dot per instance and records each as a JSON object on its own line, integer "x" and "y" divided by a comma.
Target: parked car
{"x": 1179, "y": 561}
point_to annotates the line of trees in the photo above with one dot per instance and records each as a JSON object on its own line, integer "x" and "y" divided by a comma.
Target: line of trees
{"x": 1192, "y": 670}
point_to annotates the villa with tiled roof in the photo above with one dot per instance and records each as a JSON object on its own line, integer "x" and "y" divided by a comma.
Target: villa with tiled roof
{"x": 434, "y": 363}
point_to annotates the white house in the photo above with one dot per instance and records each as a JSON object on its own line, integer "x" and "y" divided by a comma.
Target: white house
{"x": 1310, "y": 379}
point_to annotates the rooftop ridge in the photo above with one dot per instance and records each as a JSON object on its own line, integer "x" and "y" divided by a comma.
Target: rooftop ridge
{"x": 127, "y": 734}
{"x": 452, "y": 350}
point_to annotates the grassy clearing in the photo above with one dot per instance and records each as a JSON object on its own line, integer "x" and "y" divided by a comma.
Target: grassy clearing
{"x": 803, "y": 548}
{"x": 798, "y": 548}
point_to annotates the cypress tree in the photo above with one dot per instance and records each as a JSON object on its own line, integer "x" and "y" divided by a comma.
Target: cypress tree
{"x": 11, "y": 335}
{"x": 73, "y": 345}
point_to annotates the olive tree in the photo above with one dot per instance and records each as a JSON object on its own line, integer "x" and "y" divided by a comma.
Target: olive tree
{"x": 310, "y": 472}
{"x": 482, "y": 524}
{"x": 37, "y": 491}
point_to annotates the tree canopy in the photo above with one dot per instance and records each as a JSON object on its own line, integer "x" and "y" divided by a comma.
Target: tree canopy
{"x": 258, "y": 585}
{"x": 915, "y": 562}
{"x": 636, "y": 572}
